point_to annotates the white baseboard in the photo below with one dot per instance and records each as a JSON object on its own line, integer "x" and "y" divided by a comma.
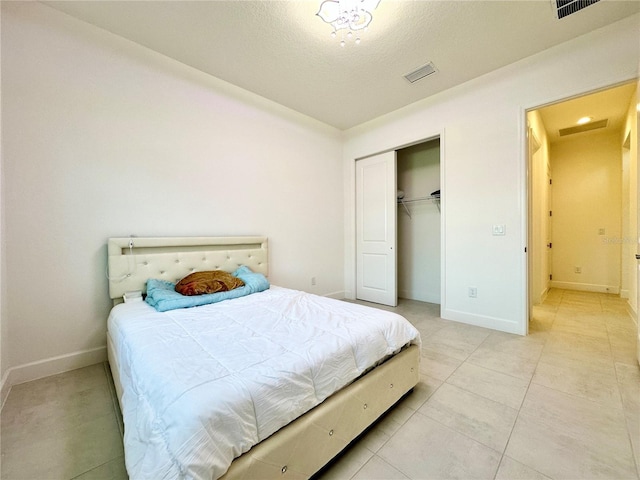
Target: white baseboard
{"x": 543, "y": 295}
{"x": 485, "y": 321}
{"x": 336, "y": 295}
{"x": 634, "y": 316}
{"x": 4, "y": 388}
{"x": 50, "y": 366}
{"x": 586, "y": 287}
{"x": 624, "y": 293}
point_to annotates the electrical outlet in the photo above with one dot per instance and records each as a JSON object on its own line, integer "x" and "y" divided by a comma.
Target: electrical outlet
{"x": 577, "y": 269}
{"x": 313, "y": 280}
{"x": 473, "y": 292}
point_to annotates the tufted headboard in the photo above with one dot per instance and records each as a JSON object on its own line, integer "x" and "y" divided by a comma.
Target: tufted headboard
{"x": 133, "y": 260}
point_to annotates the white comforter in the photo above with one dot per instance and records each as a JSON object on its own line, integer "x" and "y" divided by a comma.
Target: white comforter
{"x": 202, "y": 385}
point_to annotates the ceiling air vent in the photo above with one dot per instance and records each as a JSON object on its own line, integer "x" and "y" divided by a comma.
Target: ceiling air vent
{"x": 583, "y": 128}
{"x": 564, "y": 8}
{"x": 421, "y": 72}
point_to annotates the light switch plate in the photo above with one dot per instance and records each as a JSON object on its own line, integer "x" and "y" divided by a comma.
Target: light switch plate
{"x": 499, "y": 230}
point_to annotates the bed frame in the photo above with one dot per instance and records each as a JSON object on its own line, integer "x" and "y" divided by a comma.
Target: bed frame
{"x": 304, "y": 446}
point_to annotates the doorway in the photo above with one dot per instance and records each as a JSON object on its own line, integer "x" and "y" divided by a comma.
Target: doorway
{"x": 540, "y": 243}
{"x": 577, "y": 188}
{"x": 398, "y": 225}
{"x": 418, "y": 222}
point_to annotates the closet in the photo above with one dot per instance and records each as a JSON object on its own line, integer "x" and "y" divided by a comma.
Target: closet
{"x": 418, "y": 222}
{"x": 398, "y": 225}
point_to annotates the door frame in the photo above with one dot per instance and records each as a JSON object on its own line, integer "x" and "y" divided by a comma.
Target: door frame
{"x": 533, "y": 145}
{"x": 527, "y": 191}
{"x": 350, "y": 291}
{"x": 637, "y": 232}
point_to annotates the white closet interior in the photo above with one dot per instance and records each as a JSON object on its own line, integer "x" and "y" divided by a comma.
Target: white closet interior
{"x": 418, "y": 217}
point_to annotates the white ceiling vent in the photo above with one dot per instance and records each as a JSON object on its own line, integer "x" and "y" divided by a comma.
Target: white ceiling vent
{"x": 421, "y": 72}
{"x": 562, "y": 8}
{"x": 583, "y": 128}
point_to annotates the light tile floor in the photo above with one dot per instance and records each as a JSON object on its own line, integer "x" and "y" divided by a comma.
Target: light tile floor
{"x": 62, "y": 427}
{"x": 561, "y": 403}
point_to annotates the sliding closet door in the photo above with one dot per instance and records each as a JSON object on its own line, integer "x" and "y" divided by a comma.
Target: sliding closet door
{"x": 376, "y": 229}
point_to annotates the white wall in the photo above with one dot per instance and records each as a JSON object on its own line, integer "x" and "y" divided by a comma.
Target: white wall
{"x": 539, "y": 186}
{"x": 418, "y": 169}
{"x": 103, "y": 137}
{"x": 587, "y": 197}
{"x": 482, "y": 126}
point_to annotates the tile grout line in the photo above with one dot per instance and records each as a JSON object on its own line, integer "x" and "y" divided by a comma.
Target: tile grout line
{"x": 506, "y": 446}
{"x": 518, "y": 410}
{"x": 615, "y": 372}
{"x": 94, "y": 468}
{"x": 443, "y": 425}
{"x": 375, "y": 454}
{"x": 114, "y": 399}
{"x": 459, "y": 433}
{"x": 624, "y": 410}
{"x": 462, "y": 433}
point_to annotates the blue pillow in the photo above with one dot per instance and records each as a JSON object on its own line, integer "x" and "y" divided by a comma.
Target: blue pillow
{"x": 162, "y": 296}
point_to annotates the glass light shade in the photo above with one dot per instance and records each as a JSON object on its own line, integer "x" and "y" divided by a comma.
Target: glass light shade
{"x": 349, "y": 14}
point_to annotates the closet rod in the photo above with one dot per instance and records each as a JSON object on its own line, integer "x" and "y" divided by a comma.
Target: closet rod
{"x": 435, "y": 198}
{"x": 419, "y": 199}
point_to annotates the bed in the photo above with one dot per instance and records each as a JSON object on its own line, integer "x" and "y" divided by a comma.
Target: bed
{"x": 257, "y": 404}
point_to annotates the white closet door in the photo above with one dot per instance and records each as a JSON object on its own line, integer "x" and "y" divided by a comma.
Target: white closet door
{"x": 376, "y": 213}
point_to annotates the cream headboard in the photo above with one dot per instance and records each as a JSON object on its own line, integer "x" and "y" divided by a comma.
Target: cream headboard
{"x": 133, "y": 260}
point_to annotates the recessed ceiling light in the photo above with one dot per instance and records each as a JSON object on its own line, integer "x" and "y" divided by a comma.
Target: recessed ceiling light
{"x": 584, "y": 120}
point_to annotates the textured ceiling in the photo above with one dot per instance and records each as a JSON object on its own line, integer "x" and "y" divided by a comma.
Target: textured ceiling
{"x": 282, "y": 51}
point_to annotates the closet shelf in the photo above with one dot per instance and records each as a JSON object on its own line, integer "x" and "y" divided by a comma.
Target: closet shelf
{"x": 419, "y": 199}
{"x": 432, "y": 198}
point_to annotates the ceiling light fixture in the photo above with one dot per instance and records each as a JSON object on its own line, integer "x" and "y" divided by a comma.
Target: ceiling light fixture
{"x": 584, "y": 120}
{"x": 347, "y": 16}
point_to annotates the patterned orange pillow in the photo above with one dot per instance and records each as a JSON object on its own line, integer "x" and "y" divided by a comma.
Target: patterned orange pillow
{"x": 213, "y": 281}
